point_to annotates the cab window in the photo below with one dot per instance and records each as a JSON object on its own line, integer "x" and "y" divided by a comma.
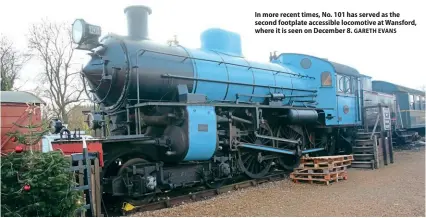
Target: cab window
{"x": 326, "y": 79}
{"x": 346, "y": 84}
{"x": 411, "y": 100}
{"x": 366, "y": 83}
{"x": 418, "y": 103}
{"x": 340, "y": 85}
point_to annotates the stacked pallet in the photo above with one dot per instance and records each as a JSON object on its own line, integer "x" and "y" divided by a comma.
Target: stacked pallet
{"x": 324, "y": 169}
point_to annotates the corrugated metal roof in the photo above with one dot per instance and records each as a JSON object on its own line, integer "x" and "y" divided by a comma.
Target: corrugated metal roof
{"x": 19, "y": 97}
{"x": 400, "y": 88}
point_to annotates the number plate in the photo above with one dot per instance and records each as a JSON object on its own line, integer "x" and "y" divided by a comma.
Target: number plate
{"x": 203, "y": 128}
{"x": 94, "y": 30}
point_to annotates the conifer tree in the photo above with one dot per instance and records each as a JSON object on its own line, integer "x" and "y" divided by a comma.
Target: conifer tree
{"x": 34, "y": 183}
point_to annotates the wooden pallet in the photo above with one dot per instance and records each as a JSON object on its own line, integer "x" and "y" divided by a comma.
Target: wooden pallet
{"x": 324, "y": 178}
{"x": 321, "y": 170}
{"x": 325, "y": 169}
{"x": 324, "y": 165}
{"x": 327, "y": 158}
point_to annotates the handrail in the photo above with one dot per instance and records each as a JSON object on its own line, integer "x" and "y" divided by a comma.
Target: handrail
{"x": 234, "y": 83}
{"x": 223, "y": 62}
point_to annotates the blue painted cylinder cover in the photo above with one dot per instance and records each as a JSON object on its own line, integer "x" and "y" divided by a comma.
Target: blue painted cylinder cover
{"x": 196, "y": 139}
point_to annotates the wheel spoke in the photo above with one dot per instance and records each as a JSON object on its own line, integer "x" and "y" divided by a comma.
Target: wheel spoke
{"x": 257, "y": 167}
{"x": 249, "y": 165}
{"x": 252, "y": 165}
{"x": 289, "y": 162}
{"x": 247, "y": 158}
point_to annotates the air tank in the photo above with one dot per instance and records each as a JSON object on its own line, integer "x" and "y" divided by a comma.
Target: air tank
{"x": 296, "y": 116}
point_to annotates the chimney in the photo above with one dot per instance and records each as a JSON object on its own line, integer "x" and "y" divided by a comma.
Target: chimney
{"x": 137, "y": 21}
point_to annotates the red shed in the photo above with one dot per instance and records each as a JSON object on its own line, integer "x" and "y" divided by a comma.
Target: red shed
{"x": 14, "y": 105}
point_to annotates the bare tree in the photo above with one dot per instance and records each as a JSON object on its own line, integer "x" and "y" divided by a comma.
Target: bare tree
{"x": 52, "y": 43}
{"x": 77, "y": 119}
{"x": 11, "y": 63}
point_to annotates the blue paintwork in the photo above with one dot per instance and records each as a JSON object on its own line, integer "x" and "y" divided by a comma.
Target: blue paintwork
{"x": 221, "y": 41}
{"x": 224, "y": 47}
{"x": 220, "y": 45}
{"x": 209, "y": 70}
{"x": 238, "y": 74}
{"x": 342, "y": 102}
{"x": 293, "y": 82}
{"x": 202, "y": 144}
{"x": 327, "y": 97}
{"x": 318, "y": 66}
{"x": 264, "y": 77}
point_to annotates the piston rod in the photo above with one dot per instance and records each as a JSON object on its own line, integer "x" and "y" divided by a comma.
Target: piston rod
{"x": 278, "y": 150}
{"x": 278, "y": 139}
{"x": 312, "y": 150}
{"x": 222, "y": 119}
{"x": 267, "y": 148}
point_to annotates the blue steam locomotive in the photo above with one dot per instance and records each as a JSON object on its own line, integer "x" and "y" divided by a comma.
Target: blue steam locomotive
{"x": 176, "y": 117}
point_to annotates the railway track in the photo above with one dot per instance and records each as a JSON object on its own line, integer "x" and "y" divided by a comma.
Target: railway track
{"x": 128, "y": 208}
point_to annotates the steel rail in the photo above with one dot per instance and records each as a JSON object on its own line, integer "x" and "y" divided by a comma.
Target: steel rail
{"x": 201, "y": 195}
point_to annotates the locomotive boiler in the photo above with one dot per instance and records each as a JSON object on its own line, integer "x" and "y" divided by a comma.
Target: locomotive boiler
{"x": 175, "y": 117}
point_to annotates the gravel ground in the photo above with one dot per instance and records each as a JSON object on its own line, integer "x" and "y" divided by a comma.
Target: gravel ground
{"x": 395, "y": 190}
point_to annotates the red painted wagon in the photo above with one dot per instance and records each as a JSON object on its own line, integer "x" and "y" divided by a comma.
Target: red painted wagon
{"x": 14, "y": 109}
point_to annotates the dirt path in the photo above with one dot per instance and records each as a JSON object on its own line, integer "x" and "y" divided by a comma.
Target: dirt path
{"x": 395, "y": 190}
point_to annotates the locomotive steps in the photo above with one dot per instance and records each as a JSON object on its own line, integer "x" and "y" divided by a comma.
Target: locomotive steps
{"x": 365, "y": 150}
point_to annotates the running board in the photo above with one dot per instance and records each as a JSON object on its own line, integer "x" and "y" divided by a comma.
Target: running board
{"x": 278, "y": 150}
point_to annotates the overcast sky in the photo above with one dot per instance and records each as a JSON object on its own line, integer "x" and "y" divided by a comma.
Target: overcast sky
{"x": 397, "y": 58}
